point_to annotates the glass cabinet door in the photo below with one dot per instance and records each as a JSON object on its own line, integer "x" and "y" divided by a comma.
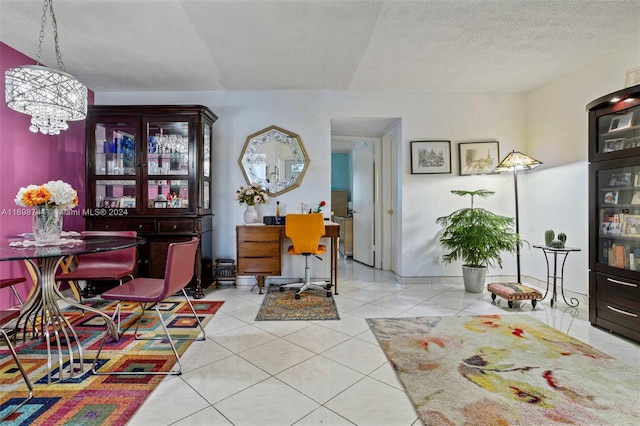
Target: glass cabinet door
{"x": 168, "y": 148}
{"x": 206, "y": 166}
{"x": 619, "y": 212}
{"x": 115, "y": 148}
{"x": 167, "y": 171}
{"x": 112, "y": 194}
{"x": 619, "y": 131}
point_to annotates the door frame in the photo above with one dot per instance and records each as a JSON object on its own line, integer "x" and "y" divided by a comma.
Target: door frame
{"x": 387, "y": 174}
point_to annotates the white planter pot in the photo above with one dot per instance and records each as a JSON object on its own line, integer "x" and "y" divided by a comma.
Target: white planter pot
{"x": 473, "y": 278}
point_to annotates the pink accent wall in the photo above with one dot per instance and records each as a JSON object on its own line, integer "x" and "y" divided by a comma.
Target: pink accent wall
{"x": 33, "y": 158}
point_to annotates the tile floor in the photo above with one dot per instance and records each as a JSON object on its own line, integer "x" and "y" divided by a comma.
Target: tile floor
{"x": 325, "y": 372}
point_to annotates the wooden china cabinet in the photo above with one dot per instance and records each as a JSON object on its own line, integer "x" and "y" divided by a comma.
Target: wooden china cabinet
{"x": 614, "y": 212}
{"x": 149, "y": 170}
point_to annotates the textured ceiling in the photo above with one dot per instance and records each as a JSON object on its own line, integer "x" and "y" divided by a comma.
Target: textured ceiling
{"x": 434, "y": 46}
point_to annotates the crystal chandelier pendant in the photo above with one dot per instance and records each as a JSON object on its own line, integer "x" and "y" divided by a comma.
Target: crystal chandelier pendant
{"x": 52, "y": 97}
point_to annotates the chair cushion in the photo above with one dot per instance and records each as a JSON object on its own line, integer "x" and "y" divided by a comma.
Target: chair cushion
{"x": 322, "y": 249}
{"x": 514, "y": 291}
{"x": 7, "y": 315}
{"x": 138, "y": 290}
{"x": 7, "y": 282}
{"x": 96, "y": 271}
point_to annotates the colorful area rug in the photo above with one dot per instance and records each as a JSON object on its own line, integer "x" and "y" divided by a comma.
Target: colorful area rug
{"x": 283, "y": 306}
{"x": 88, "y": 399}
{"x": 506, "y": 370}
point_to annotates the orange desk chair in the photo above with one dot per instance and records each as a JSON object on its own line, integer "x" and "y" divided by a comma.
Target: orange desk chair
{"x": 5, "y": 317}
{"x": 149, "y": 292}
{"x": 305, "y": 231}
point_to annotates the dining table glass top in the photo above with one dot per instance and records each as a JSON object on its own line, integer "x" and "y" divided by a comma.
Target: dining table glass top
{"x": 72, "y": 247}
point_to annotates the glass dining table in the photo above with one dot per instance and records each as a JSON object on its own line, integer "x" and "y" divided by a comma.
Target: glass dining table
{"x": 43, "y": 305}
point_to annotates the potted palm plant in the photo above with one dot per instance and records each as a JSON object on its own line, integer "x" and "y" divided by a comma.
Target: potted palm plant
{"x": 477, "y": 237}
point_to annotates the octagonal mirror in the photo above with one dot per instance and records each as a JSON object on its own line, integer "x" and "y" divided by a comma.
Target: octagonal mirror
{"x": 275, "y": 158}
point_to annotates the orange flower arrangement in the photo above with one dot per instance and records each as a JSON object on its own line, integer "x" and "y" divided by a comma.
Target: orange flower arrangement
{"x": 54, "y": 193}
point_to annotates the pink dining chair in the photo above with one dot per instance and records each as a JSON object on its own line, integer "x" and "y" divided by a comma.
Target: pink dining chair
{"x": 7, "y": 315}
{"x": 149, "y": 292}
{"x": 11, "y": 283}
{"x": 104, "y": 266}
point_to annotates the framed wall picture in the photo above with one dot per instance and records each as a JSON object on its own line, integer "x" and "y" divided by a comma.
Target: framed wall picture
{"x": 478, "y": 158}
{"x": 430, "y": 157}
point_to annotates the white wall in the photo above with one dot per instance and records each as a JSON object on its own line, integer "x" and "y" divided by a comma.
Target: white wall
{"x": 549, "y": 124}
{"x": 457, "y": 117}
{"x": 555, "y": 195}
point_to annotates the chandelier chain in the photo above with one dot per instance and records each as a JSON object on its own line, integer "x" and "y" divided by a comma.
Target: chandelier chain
{"x": 48, "y": 5}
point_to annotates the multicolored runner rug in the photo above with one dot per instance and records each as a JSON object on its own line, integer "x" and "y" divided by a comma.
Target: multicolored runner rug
{"x": 88, "y": 399}
{"x": 506, "y": 370}
{"x": 283, "y": 306}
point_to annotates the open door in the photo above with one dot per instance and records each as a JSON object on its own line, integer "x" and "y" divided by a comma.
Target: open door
{"x": 363, "y": 200}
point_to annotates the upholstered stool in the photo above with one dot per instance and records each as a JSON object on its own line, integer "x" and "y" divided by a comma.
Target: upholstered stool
{"x": 514, "y": 291}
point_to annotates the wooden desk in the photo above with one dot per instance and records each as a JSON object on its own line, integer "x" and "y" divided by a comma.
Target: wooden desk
{"x": 259, "y": 251}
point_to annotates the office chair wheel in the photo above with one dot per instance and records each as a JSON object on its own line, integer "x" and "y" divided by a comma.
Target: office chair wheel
{"x": 281, "y": 289}
{"x": 297, "y": 296}
{"x": 328, "y": 294}
{"x": 328, "y": 286}
{"x": 510, "y": 303}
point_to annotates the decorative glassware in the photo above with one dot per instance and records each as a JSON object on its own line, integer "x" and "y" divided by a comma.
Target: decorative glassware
{"x": 47, "y": 223}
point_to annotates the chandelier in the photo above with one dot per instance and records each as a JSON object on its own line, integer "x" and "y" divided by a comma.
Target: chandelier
{"x": 50, "y": 96}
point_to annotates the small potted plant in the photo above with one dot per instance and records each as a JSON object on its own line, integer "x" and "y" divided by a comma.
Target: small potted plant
{"x": 477, "y": 237}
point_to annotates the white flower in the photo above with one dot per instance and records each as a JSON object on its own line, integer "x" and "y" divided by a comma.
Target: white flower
{"x": 252, "y": 194}
{"x": 54, "y": 193}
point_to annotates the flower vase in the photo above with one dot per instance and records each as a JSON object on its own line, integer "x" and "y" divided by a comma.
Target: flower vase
{"x": 250, "y": 214}
{"x": 47, "y": 223}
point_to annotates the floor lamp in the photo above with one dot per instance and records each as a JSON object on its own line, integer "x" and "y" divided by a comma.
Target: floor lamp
{"x": 516, "y": 161}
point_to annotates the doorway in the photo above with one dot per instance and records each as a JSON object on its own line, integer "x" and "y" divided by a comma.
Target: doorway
{"x": 381, "y": 136}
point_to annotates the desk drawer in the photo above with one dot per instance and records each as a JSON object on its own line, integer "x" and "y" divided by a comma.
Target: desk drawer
{"x": 258, "y": 233}
{"x": 176, "y": 226}
{"x": 258, "y": 266}
{"x": 259, "y": 249}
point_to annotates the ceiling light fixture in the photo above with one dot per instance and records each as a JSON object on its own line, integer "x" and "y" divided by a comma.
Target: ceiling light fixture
{"x": 50, "y": 96}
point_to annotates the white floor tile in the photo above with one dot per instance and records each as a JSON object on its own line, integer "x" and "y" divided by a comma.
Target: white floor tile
{"x": 316, "y": 338}
{"x": 224, "y": 378}
{"x": 276, "y": 356}
{"x": 349, "y": 324}
{"x": 323, "y": 417}
{"x": 320, "y": 378}
{"x": 243, "y": 338}
{"x": 209, "y": 416}
{"x": 386, "y": 374}
{"x": 391, "y": 406}
{"x": 282, "y": 328}
{"x": 203, "y": 353}
{"x": 156, "y": 410}
{"x": 358, "y": 355}
{"x": 268, "y": 403}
